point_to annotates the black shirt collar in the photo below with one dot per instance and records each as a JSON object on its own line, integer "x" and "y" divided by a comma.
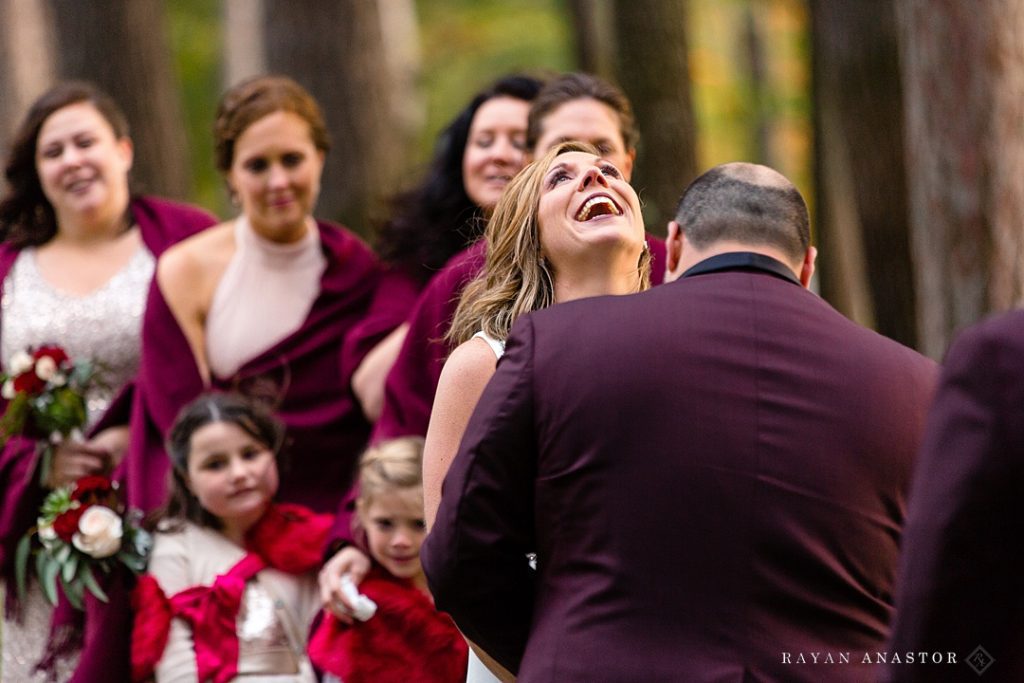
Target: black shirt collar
{"x": 742, "y": 260}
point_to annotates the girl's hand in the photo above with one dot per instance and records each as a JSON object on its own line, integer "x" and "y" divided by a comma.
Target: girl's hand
{"x": 349, "y": 560}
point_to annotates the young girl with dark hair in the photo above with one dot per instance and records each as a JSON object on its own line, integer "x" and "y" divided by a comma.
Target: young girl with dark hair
{"x": 231, "y": 588}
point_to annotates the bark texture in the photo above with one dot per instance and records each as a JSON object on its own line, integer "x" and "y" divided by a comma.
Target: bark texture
{"x": 335, "y": 49}
{"x": 653, "y": 69}
{"x": 863, "y": 221}
{"x": 963, "y": 70}
{"x": 123, "y": 47}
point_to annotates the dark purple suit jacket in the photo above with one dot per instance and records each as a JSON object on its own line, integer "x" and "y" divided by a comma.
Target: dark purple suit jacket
{"x": 962, "y": 566}
{"x": 712, "y": 474}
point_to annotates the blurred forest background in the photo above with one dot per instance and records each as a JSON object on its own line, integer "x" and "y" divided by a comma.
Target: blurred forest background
{"x": 901, "y": 121}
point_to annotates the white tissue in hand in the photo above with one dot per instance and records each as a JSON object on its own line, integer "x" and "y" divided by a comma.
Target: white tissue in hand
{"x": 364, "y": 606}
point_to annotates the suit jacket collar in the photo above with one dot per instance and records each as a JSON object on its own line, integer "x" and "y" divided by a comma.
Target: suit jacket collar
{"x": 743, "y": 260}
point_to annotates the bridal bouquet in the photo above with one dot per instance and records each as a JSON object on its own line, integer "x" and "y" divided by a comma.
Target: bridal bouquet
{"x": 45, "y": 394}
{"x": 83, "y": 530}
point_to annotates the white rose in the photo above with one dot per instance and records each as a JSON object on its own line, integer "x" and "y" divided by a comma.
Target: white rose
{"x": 8, "y": 390}
{"x": 45, "y": 368}
{"x": 20, "y": 362}
{"x": 99, "y": 532}
{"x": 58, "y": 379}
{"x": 46, "y": 534}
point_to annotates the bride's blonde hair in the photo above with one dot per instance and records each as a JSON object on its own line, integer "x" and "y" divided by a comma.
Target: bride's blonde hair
{"x": 516, "y": 279}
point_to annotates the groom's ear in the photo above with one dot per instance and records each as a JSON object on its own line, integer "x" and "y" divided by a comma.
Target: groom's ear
{"x": 673, "y": 251}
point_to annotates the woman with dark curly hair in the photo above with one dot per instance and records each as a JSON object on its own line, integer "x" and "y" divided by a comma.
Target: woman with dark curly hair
{"x": 77, "y": 257}
{"x": 474, "y": 158}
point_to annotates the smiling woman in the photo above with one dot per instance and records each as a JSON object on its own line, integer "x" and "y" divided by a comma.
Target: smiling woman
{"x": 475, "y": 158}
{"x": 262, "y": 303}
{"x": 540, "y": 250}
{"x": 76, "y": 261}
{"x": 567, "y": 227}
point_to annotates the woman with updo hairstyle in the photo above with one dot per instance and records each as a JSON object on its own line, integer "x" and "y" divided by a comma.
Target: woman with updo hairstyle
{"x": 76, "y": 259}
{"x": 262, "y": 303}
{"x": 475, "y": 156}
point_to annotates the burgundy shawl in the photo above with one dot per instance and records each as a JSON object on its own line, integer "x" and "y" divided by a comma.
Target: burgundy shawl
{"x": 300, "y": 377}
{"x": 395, "y": 297}
{"x": 410, "y": 386}
{"x": 161, "y": 224}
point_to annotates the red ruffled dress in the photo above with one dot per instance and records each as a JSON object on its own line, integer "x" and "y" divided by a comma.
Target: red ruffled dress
{"x": 407, "y": 641}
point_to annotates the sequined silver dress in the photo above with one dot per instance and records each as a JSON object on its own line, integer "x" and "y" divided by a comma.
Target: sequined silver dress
{"x": 103, "y": 326}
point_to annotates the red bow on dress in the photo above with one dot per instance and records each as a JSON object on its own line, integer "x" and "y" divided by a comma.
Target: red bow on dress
{"x": 288, "y": 538}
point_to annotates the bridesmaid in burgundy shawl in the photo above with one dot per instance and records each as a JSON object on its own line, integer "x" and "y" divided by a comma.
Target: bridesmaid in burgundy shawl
{"x": 475, "y": 156}
{"x": 77, "y": 255}
{"x": 260, "y": 304}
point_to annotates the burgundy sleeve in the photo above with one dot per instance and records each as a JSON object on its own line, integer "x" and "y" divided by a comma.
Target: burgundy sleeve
{"x": 393, "y": 300}
{"x": 411, "y": 384}
{"x": 959, "y": 581}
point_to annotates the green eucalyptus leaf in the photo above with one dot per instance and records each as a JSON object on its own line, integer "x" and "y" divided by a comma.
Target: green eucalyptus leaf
{"x": 41, "y": 559}
{"x": 62, "y": 554}
{"x": 21, "y": 555}
{"x": 12, "y": 422}
{"x": 48, "y": 578}
{"x": 67, "y": 570}
{"x": 45, "y": 464}
{"x": 72, "y": 591}
{"x": 133, "y": 562}
{"x": 90, "y": 582}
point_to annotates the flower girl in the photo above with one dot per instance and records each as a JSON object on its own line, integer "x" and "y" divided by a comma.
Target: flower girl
{"x": 398, "y": 636}
{"x": 231, "y": 588}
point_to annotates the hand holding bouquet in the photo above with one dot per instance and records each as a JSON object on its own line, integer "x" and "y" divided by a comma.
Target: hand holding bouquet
{"x": 45, "y": 392}
{"x": 82, "y": 529}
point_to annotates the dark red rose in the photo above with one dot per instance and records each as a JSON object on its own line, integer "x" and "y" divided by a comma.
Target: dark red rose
{"x": 58, "y": 354}
{"x": 66, "y": 524}
{"x": 94, "y": 486}
{"x": 29, "y": 383}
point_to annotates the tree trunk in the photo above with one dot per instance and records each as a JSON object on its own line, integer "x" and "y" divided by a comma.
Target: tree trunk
{"x": 861, "y": 180}
{"x": 757, "y": 69}
{"x": 123, "y": 47}
{"x": 27, "y": 59}
{"x": 595, "y": 38}
{"x": 653, "y": 69}
{"x": 244, "y": 53}
{"x": 963, "y": 70}
{"x": 335, "y": 49}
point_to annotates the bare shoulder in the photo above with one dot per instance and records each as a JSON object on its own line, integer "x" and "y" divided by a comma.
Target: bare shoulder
{"x": 196, "y": 256}
{"x": 188, "y": 272}
{"x": 471, "y": 364}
